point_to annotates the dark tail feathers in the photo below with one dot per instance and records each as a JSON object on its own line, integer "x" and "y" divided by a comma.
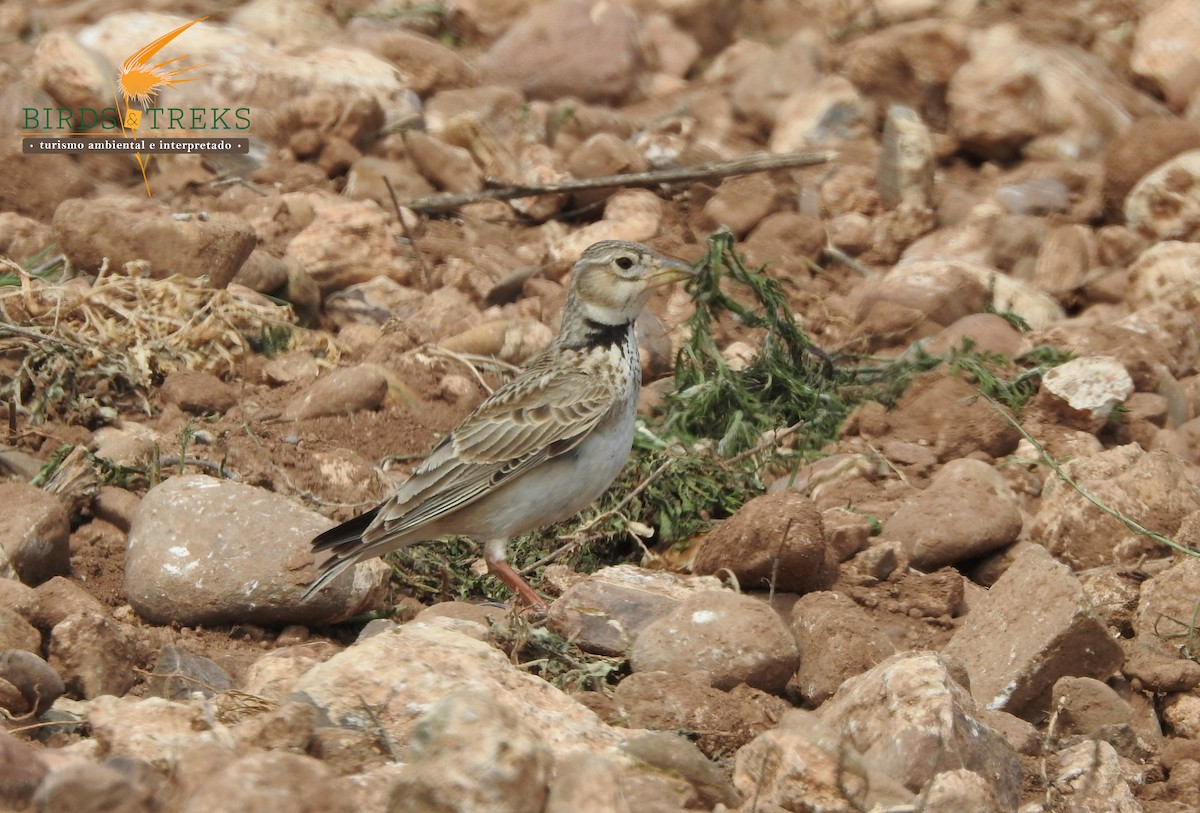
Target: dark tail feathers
{"x": 348, "y": 534}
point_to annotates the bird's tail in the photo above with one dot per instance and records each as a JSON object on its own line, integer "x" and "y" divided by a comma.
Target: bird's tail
{"x": 344, "y": 540}
{"x": 349, "y": 531}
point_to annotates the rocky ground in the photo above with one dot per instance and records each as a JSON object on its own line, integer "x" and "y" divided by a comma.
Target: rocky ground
{"x": 956, "y": 606}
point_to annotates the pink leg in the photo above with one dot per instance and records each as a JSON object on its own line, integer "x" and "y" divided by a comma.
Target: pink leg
{"x": 498, "y": 566}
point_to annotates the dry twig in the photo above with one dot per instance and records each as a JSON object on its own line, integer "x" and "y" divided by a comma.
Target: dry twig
{"x": 746, "y": 165}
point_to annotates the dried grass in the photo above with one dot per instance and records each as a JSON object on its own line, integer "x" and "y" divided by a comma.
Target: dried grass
{"x": 87, "y": 350}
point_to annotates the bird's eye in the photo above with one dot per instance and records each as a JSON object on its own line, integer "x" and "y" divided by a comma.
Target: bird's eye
{"x": 624, "y": 263}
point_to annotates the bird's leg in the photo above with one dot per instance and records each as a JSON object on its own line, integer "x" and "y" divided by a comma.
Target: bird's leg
{"x": 497, "y": 564}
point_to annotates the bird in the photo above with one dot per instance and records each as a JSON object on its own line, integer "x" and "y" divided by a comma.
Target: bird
{"x": 542, "y": 447}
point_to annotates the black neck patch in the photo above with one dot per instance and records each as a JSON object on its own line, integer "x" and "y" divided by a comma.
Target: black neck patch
{"x": 599, "y": 334}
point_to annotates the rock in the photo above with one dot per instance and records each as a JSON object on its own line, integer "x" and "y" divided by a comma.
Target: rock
{"x": 425, "y": 64}
{"x": 909, "y": 718}
{"x": 291, "y": 368}
{"x": 341, "y": 392}
{"x": 946, "y": 411}
{"x": 1085, "y": 390}
{"x": 1155, "y": 489}
{"x": 116, "y": 506}
{"x": 1162, "y": 675}
{"x": 711, "y": 22}
{"x": 1164, "y": 51}
{"x": 269, "y": 781}
{"x": 1036, "y": 197}
{"x": 1090, "y": 775}
{"x": 1168, "y": 271}
{"x": 583, "y": 783}
{"x": 1181, "y": 712}
{"x": 90, "y": 788}
{"x": 1015, "y": 97}
{"x": 630, "y": 214}
{"x": 1015, "y": 650}
{"x": 906, "y": 162}
{"x": 988, "y": 333}
{"x": 804, "y": 764}
{"x": 178, "y": 674}
{"x": 1065, "y": 260}
{"x": 766, "y": 77}
{"x": 77, "y": 78}
{"x": 837, "y": 640}
{"x": 825, "y": 113}
{"x": 907, "y": 64}
{"x": 446, "y": 166}
{"x": 150, "y": 730}
{"x": 290, "y": 726}
{"x": 1085, "y": 705}
{"x": 508, "y": 340}
{"x": 208, "y": 551}
{"x": 961, "y": 791}
{"x": 723, "y": 721}
{"x": 741, "y": 203}
{"x": 470, "y": 753}
{"x": 274, "y": 675}
{"x": 212, "y": 245}
{"x": 38, "y": 683}
{"x": 242, "y": 70}
{"x": 197, "y": 392}
{"x": 967, "y": 511}
{"x": 372, "y": 303}
{"x": 605, "y": 611}
{"x": 672, "y": 754}
{"x": 21, "y": 238}
{"x": 21, "y": 769}
{"x": 17, "y": 633}
{"x": 34, "y": 534}
{"x": 1166, "y": 607}
{"x": 603, "y": 154}
{"x": 95, "y": 655}
{"x": 776, "y": 542}
{"x": 351, "y": 241}
{"x": 568, "y": 48}
{"x": 402, "y": 671}
{"x": 736, "y": 638}
{"x": 1165, "y": 203}
{"x": 57, "y": 599}
{"x": 1145, "y": 145}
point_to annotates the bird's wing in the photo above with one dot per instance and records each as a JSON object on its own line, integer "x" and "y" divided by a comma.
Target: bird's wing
{"x": 543, "y": 413}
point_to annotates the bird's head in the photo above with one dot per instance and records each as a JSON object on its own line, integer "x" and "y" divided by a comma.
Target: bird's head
{"x": 613, "y": 279}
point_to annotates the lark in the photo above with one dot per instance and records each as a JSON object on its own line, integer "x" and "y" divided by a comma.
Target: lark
{"x": 539, "y": 449}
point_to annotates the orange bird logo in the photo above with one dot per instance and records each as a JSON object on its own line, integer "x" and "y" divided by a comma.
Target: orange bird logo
{"x": 140, "y": 82}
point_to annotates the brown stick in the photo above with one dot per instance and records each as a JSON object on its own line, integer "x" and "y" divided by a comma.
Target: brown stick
{"x": 757, "y": 162}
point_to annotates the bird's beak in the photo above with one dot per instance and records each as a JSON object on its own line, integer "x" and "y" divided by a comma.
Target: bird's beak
{"x": 669, "y": 270}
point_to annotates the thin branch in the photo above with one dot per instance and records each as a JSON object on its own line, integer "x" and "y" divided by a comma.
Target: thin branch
{"x": 412, "y": 241}
{"x": 1132, "y": 525}
{"x": 746, "y": 165}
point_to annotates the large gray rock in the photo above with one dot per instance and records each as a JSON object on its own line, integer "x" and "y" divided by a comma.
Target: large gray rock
{"x": 733, "y": 637}
{"x": 1035, "y": 626}
{"x": 209, "y": 551}
{"x": 605, "y": 612}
